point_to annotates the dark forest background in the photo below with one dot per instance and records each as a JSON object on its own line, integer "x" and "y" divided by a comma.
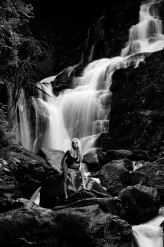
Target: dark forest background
{"x": 52, "y": 36}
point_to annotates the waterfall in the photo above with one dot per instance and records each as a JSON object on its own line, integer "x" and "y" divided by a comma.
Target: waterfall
{"x": 149, "y": 234}
{"x": 147, "y": 35}
{"x": 21, "y": 122}
{"x": 36, "y": 196}
{"x": 84, "y": 111}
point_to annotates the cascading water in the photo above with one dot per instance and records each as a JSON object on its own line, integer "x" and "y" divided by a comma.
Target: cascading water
{"x": 83, "y": 112}
{"x": 21, "y": 123}
{"x": 149, "y": 234}
{"x": 147, "y": 35}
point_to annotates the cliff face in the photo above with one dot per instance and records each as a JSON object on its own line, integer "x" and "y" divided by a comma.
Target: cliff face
{"x": 137, "y": 109}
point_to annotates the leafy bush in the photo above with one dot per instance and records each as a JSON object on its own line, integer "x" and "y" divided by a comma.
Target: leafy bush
{"x": 14, "y": 17}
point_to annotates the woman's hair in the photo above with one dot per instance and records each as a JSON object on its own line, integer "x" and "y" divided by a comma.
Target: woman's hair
{"x": 79, "y": 143}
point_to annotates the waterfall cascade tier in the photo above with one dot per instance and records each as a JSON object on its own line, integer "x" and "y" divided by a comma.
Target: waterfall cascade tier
{"x": 84, "y": 112}
{"x": 147, "y": 35}
{"x": 149, "y": 234}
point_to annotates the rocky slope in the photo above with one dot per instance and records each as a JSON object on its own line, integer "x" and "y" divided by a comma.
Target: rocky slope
{"x": 136, "y": 119}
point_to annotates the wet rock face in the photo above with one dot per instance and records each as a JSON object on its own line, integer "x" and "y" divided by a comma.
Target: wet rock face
{"x": 92, "y": 162}
{"x": 52, "y": 157}
{"x": 107, "y": 36}
{"x": 132, "y": 159}
{"x": 137, "y": 108}
{"x": 63, "y": 80}
{"x": 141, "y": 203}
{"x": 7, "y": 197}
{"x": 3, "y": 93}
{"x": 118, "y": 154}
{"x": 84, "y": 226}
{"x": 114, "y": 176}
{"x": 151, "y": 174}
{"x": 20, "y": 175}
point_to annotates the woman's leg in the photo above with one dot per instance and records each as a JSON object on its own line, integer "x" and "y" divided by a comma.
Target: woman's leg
{"x": 75, "y": 167}
{"x": 82, "y": 170}
{"x": 65, "y": 173}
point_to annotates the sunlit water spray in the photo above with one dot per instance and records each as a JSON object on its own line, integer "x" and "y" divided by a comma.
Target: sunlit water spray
{"x": 83, "y": 112}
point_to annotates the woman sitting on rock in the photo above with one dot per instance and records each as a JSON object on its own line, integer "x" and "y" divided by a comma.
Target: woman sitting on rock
{"x": 73, "y": 159}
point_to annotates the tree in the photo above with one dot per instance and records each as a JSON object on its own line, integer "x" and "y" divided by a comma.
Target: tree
{"x": 14, "y": 18}
{"x": 19, "y": 51}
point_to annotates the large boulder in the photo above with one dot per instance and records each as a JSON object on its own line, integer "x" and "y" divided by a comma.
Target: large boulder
{"x": 21, "y": 173}
{"x": 52, "y": 191}
{"x": 108, "y": 204}
{"x": 141, "y": 203}
{"x": 138, "y": 177}
{"x": 114, "y": 176}
{"x": 129, "y": 155}
{"x": 7, "y": 197}
{"x": 87, "y": 226}
{"x": 151, "y": 174}
{"x": 138, "y": 155}
{"x": 119, "y": 154}
{"x": 52, "y": 157}
{"x": 94, "y": 184}
{"x": 63, "y": 80}
{"x": 92, "y": 162}
{"x": 74, "y": 180}
{"x": 137, "y": 112}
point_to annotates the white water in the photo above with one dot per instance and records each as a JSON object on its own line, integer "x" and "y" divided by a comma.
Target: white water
{"x": 36, "y": 196}
{"x": 83, "y": 112}
{"x": 147, "y": 35}
{"x": 22, "y": 124}
{"x": 149, "y": 234}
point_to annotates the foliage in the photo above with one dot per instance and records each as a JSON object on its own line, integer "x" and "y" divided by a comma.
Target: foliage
{"x": 14, "y": 17}
{"x": 19, "y": 51}
{"x": 24, "y": 75}
{"x": 6, "y": 135}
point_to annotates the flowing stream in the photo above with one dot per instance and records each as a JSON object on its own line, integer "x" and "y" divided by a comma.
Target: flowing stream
{"x": 84, "y": 111}
{"x": 149, "y": 234}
